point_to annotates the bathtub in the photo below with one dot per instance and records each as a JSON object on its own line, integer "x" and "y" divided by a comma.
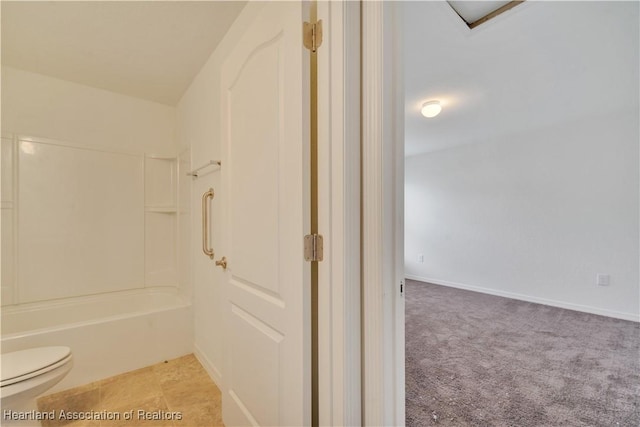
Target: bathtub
{"x": 108, "y": 334}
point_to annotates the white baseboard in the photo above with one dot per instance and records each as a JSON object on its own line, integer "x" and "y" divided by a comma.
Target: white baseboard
{"x": 213, "y": 372}
{"x": 554, "y": 303}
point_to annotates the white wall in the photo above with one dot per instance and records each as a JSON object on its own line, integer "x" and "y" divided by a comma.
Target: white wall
{"x": 534, "y": 216}
{"x": 46, "y": 107}
{"x": 198, "y": 128}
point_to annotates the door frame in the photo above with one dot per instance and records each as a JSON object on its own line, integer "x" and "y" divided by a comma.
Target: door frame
{"x": 361, "y": 214}
{"x": 383, "y": 214}
{"x": 339, "y": 314}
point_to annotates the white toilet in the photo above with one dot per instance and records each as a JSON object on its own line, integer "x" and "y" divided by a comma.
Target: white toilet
{"x": 29, "y": 373}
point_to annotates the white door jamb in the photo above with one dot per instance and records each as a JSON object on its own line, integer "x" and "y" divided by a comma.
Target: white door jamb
{"x": 382, "y": 214}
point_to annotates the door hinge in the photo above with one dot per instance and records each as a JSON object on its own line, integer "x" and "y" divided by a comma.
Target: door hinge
{"x": 313, "y": 250}
{"x": 312, "y": 35}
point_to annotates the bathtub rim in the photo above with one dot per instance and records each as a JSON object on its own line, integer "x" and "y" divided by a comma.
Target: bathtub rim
{"x": 180, "y": 301}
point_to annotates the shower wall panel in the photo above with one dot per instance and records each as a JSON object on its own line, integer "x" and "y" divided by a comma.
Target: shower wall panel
{"x": 7, "y": 223}
{"x": 80, "y": 221}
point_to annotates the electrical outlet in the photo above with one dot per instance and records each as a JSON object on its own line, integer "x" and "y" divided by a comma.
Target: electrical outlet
{"x": 420, "y": 258}
{"x": 603, "y": 279}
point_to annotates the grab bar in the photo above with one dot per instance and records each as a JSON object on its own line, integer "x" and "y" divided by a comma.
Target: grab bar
{"x": 205, "y": 224}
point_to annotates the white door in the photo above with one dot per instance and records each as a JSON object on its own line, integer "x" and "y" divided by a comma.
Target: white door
{"x": 265, "y": 139}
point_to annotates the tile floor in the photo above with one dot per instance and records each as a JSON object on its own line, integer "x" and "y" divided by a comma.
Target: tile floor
{"x": 176, "y": 393}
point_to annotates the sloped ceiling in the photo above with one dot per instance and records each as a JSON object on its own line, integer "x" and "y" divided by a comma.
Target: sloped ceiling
{"x": 536, "y": 65}
{"x": 146, "y": 49}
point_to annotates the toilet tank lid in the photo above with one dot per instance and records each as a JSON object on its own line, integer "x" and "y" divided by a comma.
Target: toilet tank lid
{"x": 18, "y": 363}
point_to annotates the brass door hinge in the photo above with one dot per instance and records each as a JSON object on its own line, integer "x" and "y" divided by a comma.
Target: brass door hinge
{"x": 313, "y": 250}
{"x": 312, "y": 35}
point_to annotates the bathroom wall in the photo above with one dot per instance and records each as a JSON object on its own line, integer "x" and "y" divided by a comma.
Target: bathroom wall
{"x": 105, "y": 167}
{"x": 533, "y": 216}
{"x": 42, "y": 106}
{"x": 198, "y": 127}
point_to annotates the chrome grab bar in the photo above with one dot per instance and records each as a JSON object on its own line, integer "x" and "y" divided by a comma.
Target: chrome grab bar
{"x": 205, "y": 224}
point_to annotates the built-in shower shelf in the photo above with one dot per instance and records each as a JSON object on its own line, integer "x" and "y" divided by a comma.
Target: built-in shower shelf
{"x": 161, "y": 220}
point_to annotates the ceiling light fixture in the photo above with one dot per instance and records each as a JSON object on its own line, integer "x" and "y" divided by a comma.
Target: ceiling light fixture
{"x": 431, "y": 108}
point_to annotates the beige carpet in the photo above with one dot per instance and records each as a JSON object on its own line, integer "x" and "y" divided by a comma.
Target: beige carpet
{"x": 479, "y": 360}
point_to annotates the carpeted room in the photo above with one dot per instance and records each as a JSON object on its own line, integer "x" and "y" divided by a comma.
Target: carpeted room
{"x": 521, "y": 216}
{"x": 478, "y": 359}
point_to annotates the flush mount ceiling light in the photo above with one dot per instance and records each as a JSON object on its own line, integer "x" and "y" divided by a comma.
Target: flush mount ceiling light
{"x": 431, "y": 108}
